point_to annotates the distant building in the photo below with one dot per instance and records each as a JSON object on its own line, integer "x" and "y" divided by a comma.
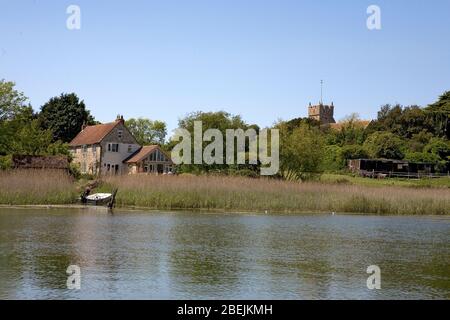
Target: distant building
{"x": 322, "y": 113}
{"x": 40, "y": 162}
{"x": 392, "y": 168}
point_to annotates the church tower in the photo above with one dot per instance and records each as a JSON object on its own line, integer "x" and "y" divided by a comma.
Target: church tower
{"x": 322, "y": 113}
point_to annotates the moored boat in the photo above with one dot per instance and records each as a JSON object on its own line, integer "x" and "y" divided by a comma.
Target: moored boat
{"x": 99, "y": 199}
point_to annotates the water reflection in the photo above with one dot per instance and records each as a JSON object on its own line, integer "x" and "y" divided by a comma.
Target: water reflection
{"x": 199, "y": 256}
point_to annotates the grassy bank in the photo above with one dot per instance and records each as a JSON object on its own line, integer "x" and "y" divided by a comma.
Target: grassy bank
{"x": 443, "y": 182}
{"x": 259, "y": 195}
{"x": 230, "y": 194}
{"x": 36, "y": 187}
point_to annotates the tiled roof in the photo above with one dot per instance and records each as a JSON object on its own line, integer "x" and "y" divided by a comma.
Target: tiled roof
{"x": 93, "y": 134}
{"x": 141, "y": 154}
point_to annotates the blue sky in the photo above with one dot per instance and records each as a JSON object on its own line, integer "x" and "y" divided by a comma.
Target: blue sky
{"x": 261, "y": 59}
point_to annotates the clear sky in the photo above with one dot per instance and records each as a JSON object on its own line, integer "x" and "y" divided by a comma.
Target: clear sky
{"x": 258, "y": 58}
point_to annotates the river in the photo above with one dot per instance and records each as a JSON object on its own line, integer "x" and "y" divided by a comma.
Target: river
{"x": 185, "y": 255}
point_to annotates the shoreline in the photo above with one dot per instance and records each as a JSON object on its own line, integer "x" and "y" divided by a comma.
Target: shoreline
{"x": 210, "y": 211}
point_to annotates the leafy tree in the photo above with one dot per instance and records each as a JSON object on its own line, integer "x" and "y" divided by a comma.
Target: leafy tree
{"x": 384, "y": 145}
{"x": 64, "y": 116}
{"x": 439, "y": 147}
{"x": 12, "y": 101}
{"x": 440, "y": 113}
{"x": 402, "y": 121}
{"x": 221, "y": 121}
{"x": 147, "y": 131}
{"x": 351, "y": 131}
{"x": 332, "y": 159}
{"x": 422, "y": 157}
{"x": 30, "y": 139}
{"x": 301, "y": 151}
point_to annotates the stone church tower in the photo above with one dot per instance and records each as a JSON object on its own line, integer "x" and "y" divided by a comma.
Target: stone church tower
{"x": 322, "y": 113}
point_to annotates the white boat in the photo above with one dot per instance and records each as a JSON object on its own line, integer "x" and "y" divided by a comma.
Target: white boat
{"x": 99, "y": 199}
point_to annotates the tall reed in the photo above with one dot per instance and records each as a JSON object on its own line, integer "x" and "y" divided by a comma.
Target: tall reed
{"x": 260, "y": 195}
{"x": 21, "y": 187}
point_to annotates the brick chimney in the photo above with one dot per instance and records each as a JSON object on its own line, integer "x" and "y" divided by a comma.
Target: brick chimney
{"x": 120, "y": 119}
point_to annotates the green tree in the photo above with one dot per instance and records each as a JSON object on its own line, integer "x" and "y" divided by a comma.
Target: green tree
{"x": 439, "y": 147}
{"x": 64, "y": 116}
{"x": 301, "y": 151}
{"x": 147, "y": 131}
{"x": 12, "y": 101}
{"x": 222, "y": 121}
{"x": 440, "y": 113}
{"x": 401, "y": 121}
{"x": 384, "y": 145}
{"x": 30, "y": 139}
{"x": 351, "y": 131}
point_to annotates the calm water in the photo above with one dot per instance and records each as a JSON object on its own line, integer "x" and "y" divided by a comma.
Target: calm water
{"x": 142, "y": 255}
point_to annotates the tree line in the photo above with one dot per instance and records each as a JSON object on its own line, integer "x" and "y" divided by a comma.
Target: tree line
{"x": 412, "y": 133}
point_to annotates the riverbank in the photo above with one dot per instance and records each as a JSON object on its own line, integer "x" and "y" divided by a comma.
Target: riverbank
{"x": 228, "y": 194}
{"x": 261, "y": 195}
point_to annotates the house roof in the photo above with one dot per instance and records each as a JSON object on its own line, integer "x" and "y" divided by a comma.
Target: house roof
{"x": 93, "y": 134}
{"x": 143, "y": 152}
{"x": 40, "y": 162}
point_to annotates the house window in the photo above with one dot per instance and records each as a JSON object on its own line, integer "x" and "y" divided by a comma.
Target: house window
{"x": 84, "y": 148}
{"x": 119, "y": 134}
{"x": 108, "y": 167}
{"x": 113, "y": 147}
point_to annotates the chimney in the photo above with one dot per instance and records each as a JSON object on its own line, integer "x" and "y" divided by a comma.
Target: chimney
{"x": 120, "y": 119}
{"x": 83, "y": 126}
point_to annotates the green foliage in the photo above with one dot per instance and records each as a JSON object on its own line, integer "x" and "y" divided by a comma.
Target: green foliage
{"x": 353, "y": 152}
{"x": 351, "y": 131}
{"x": 439, "y": 147}
{"x": 301, "y": 151}
{"x": 332, "y": 159}
{"x": 12, "y": 101}
{"x": 6, "y": 162}
{"x": 440, "y": 113}
{"x": 64, "y": 116}
{"x": 384, "y": 145}
{"x": 418, "y": 157}
{"x": 74, "y": 170}
{"x": 215, "y": 120}
{"x": 401, "y": 121}
{"x": 147, "y": 131}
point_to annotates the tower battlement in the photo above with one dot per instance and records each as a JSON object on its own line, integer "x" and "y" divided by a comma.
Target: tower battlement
{"x": 322, "y": 113}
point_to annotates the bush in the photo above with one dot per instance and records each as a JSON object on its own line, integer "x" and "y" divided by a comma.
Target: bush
{"x": 6, "y": 162}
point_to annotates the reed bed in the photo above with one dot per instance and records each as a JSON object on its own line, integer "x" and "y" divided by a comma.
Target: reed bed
{"x": 261, "y": 195}
{"x": 36, "y": 187}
